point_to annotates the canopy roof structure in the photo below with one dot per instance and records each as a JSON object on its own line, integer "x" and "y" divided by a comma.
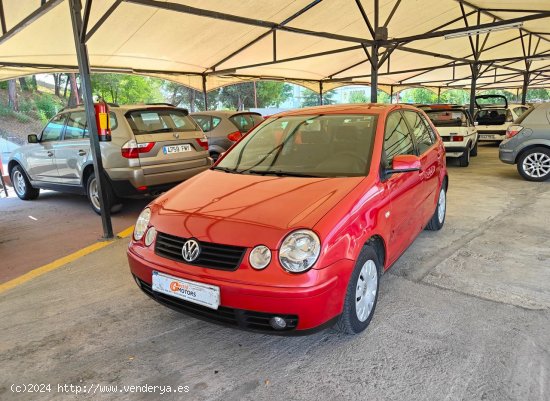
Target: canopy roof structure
{"x": 321, "y": 44}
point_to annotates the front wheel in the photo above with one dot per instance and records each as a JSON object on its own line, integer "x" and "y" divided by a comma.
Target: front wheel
{"x": 438, "y": 218}
{"x": 534, "y": 165}
{"x": 362, "y": 293}
{"x": 22, "y": 185}
{"x": 92, "y": 190}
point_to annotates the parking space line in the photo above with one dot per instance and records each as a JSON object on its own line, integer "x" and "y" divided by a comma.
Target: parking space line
{"x": 56, "y": 264}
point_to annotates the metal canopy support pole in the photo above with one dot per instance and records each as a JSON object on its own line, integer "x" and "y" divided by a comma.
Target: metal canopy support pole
{"x": 475, "y": 71}
{"x": 374, "y": 75}
{"x": 75, "y": 7}
{"x": 204, "y": 92}
{"x": 391, "y": 94}
{"x": 320, "y": 93}
{"x": 525, "y": 87}
{"x": 439, "y": 94}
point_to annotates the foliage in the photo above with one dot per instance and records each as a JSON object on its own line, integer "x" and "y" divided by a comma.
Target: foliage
{"x": 311, "y": 98}
{"x": 127, "y": 89}
{"x": 47, "y": 106}
{"x": 418, "y": 95}
{"x": 358, "y": 96}
{"x": 511, "y": 97}
{"x": 538, "y": 94}
{"x": 241, "y": 96}
{"x": 455, "y": 96}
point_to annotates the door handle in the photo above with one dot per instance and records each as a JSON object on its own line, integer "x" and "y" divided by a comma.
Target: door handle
{"x": 50, "y": 154}
{"x": 82, "y": 152}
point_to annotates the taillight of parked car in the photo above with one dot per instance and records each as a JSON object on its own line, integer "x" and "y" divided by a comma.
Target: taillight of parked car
{"x": 513, "y": 130}
{"x": 132, "y": 149}
{"x": 457, "y": 138}
{"x": 203, "y": 142}
{"x": 235, "y": 136}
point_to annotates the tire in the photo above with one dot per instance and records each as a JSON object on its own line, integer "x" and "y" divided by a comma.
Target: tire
{"x": 534, "y": 164}
{"x": 464, "y": 160}
{"x": 214, "y": 155}
{"x": 22, "y": 185}
{"x": 364, "y": 279}
{"x": 473, "y": 151}
{"x": 93, "y": 195}
{"x": 438, "y": 218}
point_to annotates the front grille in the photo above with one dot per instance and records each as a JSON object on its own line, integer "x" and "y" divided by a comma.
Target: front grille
{"x": 244, "y": 319}
{"x": 212, "y": 256}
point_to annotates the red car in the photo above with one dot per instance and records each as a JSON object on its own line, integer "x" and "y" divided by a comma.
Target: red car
{"x": 291, "y": 230}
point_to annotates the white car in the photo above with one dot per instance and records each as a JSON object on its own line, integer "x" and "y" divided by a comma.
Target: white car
{"x": 457, "y": 130}
{"x": 494, "y": 118}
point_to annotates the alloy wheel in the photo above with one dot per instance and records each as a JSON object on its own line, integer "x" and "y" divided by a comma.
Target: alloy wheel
{"x": 441, "y": 206}
{"x": 19, "y": 182}
{"x": 94, "y": 194}
{"x": 366, "y": 289}
{"x": 536, "y": 165}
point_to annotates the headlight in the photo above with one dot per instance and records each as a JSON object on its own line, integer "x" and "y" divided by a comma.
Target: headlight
{"x": 142, "y": 223}
{"x": 299, "y": 251}
{"x": 150, "y": 236}
{"x": 260, "y": 257}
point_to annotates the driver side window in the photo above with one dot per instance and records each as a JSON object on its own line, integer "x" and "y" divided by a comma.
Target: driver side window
{"x": 52, "y": 131}
{"x": 397, "y": 138}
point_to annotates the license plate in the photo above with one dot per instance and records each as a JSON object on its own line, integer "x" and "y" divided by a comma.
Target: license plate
{"x": 486, "y": 136}
{"x": 198, "y": 293}
{"x": 177, "y": 149}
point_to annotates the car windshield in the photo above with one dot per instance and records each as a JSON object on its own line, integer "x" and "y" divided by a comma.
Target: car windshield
{"x": 491, "y": 116}
{"x": 152, "y": 121}
{"x": 305, "y": 146}
{"x": 448, "y": 118}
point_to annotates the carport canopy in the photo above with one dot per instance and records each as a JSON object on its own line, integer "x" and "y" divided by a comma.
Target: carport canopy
{"x": 321, "y": 44}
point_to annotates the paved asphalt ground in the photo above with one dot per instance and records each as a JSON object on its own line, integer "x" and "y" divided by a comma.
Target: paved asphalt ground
{"x": 463, "y": 315}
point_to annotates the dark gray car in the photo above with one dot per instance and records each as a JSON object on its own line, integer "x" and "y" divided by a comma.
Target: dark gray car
{"x": 527, "y": 144}
{"x": 224, "y": 127}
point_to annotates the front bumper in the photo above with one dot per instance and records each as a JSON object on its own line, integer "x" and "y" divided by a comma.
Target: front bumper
{"x": 248, "y": 305}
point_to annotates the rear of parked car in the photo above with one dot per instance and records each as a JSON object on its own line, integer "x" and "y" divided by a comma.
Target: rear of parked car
{"x": 224, "y": 128}
{"x": 457, "y": 130}
{"x": 527, "y": 144}
{"x": 150, "y": 149}
{"x": 495, "y": 117}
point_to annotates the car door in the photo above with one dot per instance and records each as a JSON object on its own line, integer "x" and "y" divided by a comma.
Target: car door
{"x": 41, "y": 158}
{"x": 73, "y": 150}
{"x": 430, "y": 161}
{"x": 402, "y": 188}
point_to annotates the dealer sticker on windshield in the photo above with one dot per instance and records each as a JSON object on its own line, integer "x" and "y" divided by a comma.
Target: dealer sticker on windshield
{"x": 198, "y": 293}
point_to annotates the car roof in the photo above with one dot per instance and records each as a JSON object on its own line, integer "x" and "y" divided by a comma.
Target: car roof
{"x": 223, "y": 113}
{"x": 352, "y": 108}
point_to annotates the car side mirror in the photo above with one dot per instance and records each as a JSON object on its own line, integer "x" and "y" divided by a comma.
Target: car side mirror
{"x": 404, "y": 164}
{"x": 32, "y": 138}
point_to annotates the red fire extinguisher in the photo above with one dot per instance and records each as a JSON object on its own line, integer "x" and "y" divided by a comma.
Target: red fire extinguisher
{"x": 103, "y": 121}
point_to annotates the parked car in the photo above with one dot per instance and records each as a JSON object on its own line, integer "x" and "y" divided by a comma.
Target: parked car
{"x": 292, "y": 229}
{"x": 152, "y": 149}
{"x": 223, "y": 128}
{"x": 527, "y": 144}
{"x": 494, "y": 118}
{"x": 457, "y": 130}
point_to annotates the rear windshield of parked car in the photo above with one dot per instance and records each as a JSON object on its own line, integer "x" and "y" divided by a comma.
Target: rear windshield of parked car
{"x": 491, "y": 116}
{"x": 311, "y": 146}
{"x": 448, "y": 118}
{"x": 152, "y": 121}
{"x": 245, "y": 121}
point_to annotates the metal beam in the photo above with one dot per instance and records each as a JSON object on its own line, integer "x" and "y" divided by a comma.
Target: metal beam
{"x": 87, "y": 10}
{"x": 365, "y": 18}
{"x": 75, "y": 7}
{"x": 488, "y": 25}
{"x": 102, "y": 20}
{"x": 525, "y": 87}
{"x": 204, "y": 93}
{"x": 374, "y": 75}
{"x": 320, "y": 93}
{"x": 390, "y": 16}
{"x": 36, "y": 14}
{"x": 2, "y": 18}
{"x": 475, "y": 72}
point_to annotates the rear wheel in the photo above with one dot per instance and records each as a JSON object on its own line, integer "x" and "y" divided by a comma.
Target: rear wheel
{"x": 534, "y": 164}
{"x": 362, "y": 293}
{"x": 473, "y": 151}
{"x": 464, "y": 160}
{"x": 92, "y": 190}
{"x": 214, "y": 155}
{"x": 438, "y": 218}
{"x": 22, "y": 185}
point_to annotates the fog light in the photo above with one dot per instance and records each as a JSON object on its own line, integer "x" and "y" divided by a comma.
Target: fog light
{"x": 278, "y": 323}
{"x": 137, "y": 281}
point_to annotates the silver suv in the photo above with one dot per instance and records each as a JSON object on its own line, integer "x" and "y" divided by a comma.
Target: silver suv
{"x": 152, "y": 148}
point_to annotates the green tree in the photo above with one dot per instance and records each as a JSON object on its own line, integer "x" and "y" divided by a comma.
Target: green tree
{"x": 511, "y": 97}
{"x": 455, "y": 96}
{"x": 358, "y": 97}
{"x": 126, "y": 89}
{"x": 418, "y": 95}
{"x": 538, "y": 94}
{"x": 241, "y": 96}
{"x": 311, "y": 98}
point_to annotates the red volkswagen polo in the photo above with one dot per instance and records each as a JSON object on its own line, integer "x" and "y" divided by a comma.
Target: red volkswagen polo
{"x": 291, "y": 230}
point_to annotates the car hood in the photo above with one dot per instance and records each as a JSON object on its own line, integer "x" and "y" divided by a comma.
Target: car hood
{"x": 246, "y": 210}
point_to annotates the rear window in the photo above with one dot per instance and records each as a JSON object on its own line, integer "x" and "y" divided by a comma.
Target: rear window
{"x": 151, "y": 121}
{"x": 246, "y": 121}
{"x": 207, "y": 123}
{"x": 448, "y": 118}
{"x": 491, "y": 116}
{"x": 524, "y": 115}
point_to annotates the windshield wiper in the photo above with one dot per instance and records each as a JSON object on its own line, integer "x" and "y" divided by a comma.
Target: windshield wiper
{"x": 281, "y": 173}
{"x": 225, "y": 169}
